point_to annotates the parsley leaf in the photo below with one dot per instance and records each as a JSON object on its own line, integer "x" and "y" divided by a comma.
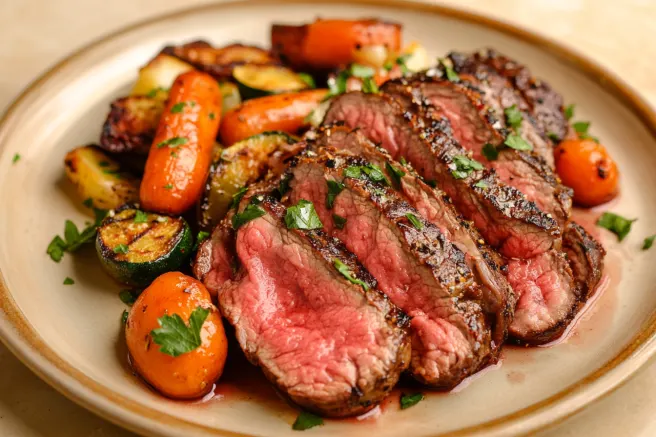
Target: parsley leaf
{"x": 581, "y": 127}
{"x": 403, "y": 161}
{"x": 401, "y": 62}
{"x": 68, "y": 281}
{"x": 168, "y": 187}
{"x": 153, "y": 93}
{"x": 617, "y": 224}
{"x": 553, "y": 136}
{"x": 236, "y": 198}
{"x": 302, "y": 216}
{"x": 73, "y": 237}
{"x": 337, "y": 85}
{"x": 344, "y": 270}
{"x": 339, "y": 221}
{"x": 649, "y": 241}
{"x": 408, "y": 401}
{"x": 490, "y": 152}
{"x": 212, "y": 116}
{"x": 128, "y": 297}
{"x": 334, "y": 188}
{"x": 306, "y": 420}
{"x": 450, "y": 73}
{"x": 122, "y": 249}
{"x": 175, "y": 337}
{"x": 124, "y": 317}
{"x": 481, "y": 184}
{"x": 202, "y": 236}
{"x": 88, "y": 202}
{"x": 513, "y": 117}
{"x": 464, "y": 166}
{"x": 375, "y": 174}
{"x": 172, "y": 142}
{"x": 395, "y": 173}
{"x": 369, "y": 86}
{"x": 353, "y": 172}
{"x": 56, "y": 248}
{"x": 361, "y": 71}
{"x": 15, "y": 159}
{"x": 140, "y": 217}
{"x": 309, "y": 80}
{"x": 178, "y": 107}
{"x": 251, "y": 212}
{"x": 283, "y": 186}
{"x": 516, "y": 142}
{"x": 415, "y": 221}
{"x": 569, "y": 111}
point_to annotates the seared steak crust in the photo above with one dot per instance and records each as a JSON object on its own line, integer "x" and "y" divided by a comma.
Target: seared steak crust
{"x": 586, "y": 257}
{"x": 506, "y": 218}
{"x": 414, "y": 264}
{"x": 328, "y": 344}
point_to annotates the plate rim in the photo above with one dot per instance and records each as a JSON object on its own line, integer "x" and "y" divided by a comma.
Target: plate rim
{"x": 23, "y": 341}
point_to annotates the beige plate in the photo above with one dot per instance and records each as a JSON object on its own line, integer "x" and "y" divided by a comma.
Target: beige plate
{"x": 70, "y": 335}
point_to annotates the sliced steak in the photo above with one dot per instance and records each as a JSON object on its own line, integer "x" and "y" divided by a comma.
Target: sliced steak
{"x": 506, "y": 218}
{"x": 586, "y": 257}
{"x": 477, "y": 119}
{"x": 498, "y": 301}
{"x": 333, "y": 347}
{"x": 414, "y": 264}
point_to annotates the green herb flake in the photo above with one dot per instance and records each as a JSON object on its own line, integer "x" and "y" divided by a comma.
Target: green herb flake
{"x": 369, "y": 86}
{"x": 122, "y": 249}
{"x": 337, "y": 85}
{"x": 172, "y": 142}
{"x": 649, "y": 241}
{"x": 553, "y": 136}
{"x": 56, "y": 248}
{"x": 202, "y": 236}
{"x": 490, "y": 152}
{"x": 569, "y": 111}
{"x": 450, "y": 73}
{"x": 334, "y": 188}
{"x": 175, "y": 337}
{"x": 401, "y": 61}
{"x": 124, "y": 317}
{"x": 153, "y": 93}
{"x": 212, "y": 116}
{"x": 249, "y": 213}
{"x": 395, "y": 173}
{"x": 88, "y": 202}
{"x": 353, "y": 172}
{"x": 308, "y": 79}
{"x": 375, "y": 174}
{"x": 168, "y": 187}
{"x": 617, "y": 224}
{"x": 464, "y": 166}
{"x": 481, "y": 184}
{"x": 140, "y": 217}
{"x": 361, "y": 71}
{"x": 403, "y": 161}
{"x": 408, "y": 401}
{"x": 16, "y": 158}
{"x": 178, "y": 107}
{"x": 514, "y": 117}
{"x": 581, "y": 127}
{"x": 388, "y": 66}
{"x": 339, "y": 221}
{"x": 73, "y": 238}
{"x": 69, "y": 281}
{"x": 415, "y": 221}
{"x": 346, "y": 272}
{"x": 128, "y": 297}
{"x": 236, "y": 198}
{"x": 302, "y": 216}
{"x": 306, "y": 420}
{"x": 516, "y": 142}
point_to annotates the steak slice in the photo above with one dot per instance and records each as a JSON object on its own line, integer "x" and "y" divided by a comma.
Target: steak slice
{"x": 544, "y": 102}
{"x": 414, "y": 264}
{"x": 498, "y": 298}
{"x": 477, "y": 119}
{"x": 331, "y": 346}
{"x": 507, "y": 220}
{"x": 586, "y": 257}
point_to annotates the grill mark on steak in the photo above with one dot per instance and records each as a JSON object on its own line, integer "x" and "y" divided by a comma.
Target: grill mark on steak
{"x": 509, "y": 222}
{"x": 419, "y": 269}
{"x": 474, "y": 123}
{"x": 330, "y": 346}
{"x": 497, "y": 296}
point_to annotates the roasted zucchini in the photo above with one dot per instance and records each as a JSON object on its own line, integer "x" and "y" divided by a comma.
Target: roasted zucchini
{"x": 263, "y": 80}
{"x": 156, "y": 77}
{"x": 219, "y": 62}
{"x": 100, "y": 178}
{"x": 131, "y": 124}
{"x": 231, "y": 96}
{"x": 239, "y": 165}
{"x": 135, "y": 247}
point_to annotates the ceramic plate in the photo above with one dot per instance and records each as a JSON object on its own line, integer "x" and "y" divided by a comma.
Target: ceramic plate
{"x": 71, "y": 335}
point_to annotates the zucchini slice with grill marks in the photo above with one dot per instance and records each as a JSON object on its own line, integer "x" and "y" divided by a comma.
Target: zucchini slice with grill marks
{"x": 136, "y": 247}
{"x": 263, "y": 80}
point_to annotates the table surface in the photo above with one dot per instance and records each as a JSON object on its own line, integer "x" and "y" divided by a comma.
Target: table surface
{"x": 36, "y": 34}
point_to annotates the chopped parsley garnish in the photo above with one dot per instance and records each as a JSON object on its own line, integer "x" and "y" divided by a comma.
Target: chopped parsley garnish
{"x": 124, "y": 317}
{"x": 172, "y": 142}
{"x": 361, "y": 71}
{"x": 73, "y": 238}
{"x": 369, "y": 86}
{"x": 344, "y": 270}
{"x": 649, "y": 241}
{"x": 581, "y": 127}
{"x": 353, "y": 172}
{"x": 16, "y": 158}
{"x": 168, "y": 187}
{"x": 516, "y": 142}
{"x": 178, "y": 107}
{"x": 68, "y": 281}
{"x": 306, "y": 420}
{"x": 283, "y": 186}
{"x": 408, "y": 401}
{"x": 375, "y": 174}
{"x": 450, "y": 73}
{"x": 465, "y": 166}
{"x": 140, "y": 217}
{"x": 513, "y": 117}
{"x": 129, "y": 297}
{"x": 334, "y": 188}
{"x": 401, "y": 62}
{"x": 553, "y": 136}
{"x": 617, "y": 224}
{"x": 337, "y": 84}
{"x": 212, "y": 116}
{"x": 308, "y": 79}
{"x": 249, "y": 213}
{"x": 152, "y": 93}
{"x": 202, "y": 236}
{"x": 415, "y": 221}
{"x": 490, "y": 152}
{"x": 481, "y": 184}
{"x": 88, "y": 202}
{"x": 569, "y": 111}
{"x": 403, "y": 161}
{"x": 236, "y": 198}
{"x": 339, "y": 221}
{"x": 302, "y": 216}
{"x": 175, "y": 337}
{"x": 121, "y": 248}
{"x": 395, "y": 173}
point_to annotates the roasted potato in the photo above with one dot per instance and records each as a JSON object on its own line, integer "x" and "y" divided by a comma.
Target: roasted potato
{"x": 156, "y": 77}
{"x": 131, "y": 124}
{"x": 99, "y": 178}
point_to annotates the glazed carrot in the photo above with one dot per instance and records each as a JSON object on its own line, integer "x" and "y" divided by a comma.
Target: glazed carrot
{"x": 180, "y": 156}
{"x": 283, "y": 112}
{"x": 163, "y": 310}
{"x": 327, "y": 44}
